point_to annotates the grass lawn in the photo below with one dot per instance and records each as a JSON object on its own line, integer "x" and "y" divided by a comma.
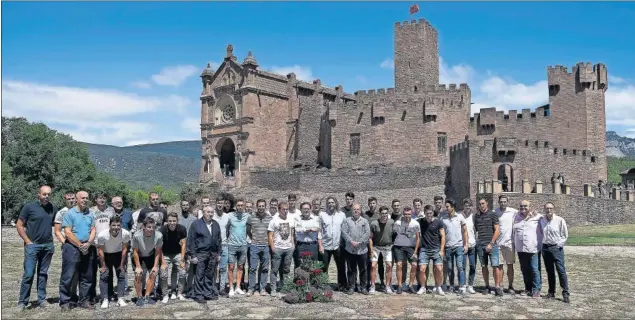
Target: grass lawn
{"x": 613, "y": 235}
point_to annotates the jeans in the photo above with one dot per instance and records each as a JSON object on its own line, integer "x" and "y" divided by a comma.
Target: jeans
{"x": 357, "y": 262}
{"x": 554, "y": 255}
{"x": 300, "y": 247}
{"x": 39, "y": 255}
{"x": 455, "y": 256}
{"x": 530, "y": 269}
{"x": 204, "y": 285}
{"x": 340, "y": 263}
{"x": 74, "y": 261}
{"x": 280, "y": 257}
{"x": 173, "y": 262}
{"x": 113, "y": 261}
{"x": 484, "y": 256}
{"x": 471, "y": 255}
{"x": 222, "y": 269}
{"x": 259, "y": 256}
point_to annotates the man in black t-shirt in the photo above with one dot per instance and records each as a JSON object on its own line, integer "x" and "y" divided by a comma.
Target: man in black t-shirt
{"x": 174, "y": 237}
{"x": 160, "y": 215}
{"x": 432, "y": 248}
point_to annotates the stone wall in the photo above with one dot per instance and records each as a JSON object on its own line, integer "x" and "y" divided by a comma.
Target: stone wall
{"x": 576, "y": 209}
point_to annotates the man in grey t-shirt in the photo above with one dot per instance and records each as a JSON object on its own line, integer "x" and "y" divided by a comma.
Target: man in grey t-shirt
{"x": 147, "y": 247}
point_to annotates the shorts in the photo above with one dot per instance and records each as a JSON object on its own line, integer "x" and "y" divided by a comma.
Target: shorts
{"x": 147, "y": 263}
{"x": 425, "y": 255}
{"x": 507, "y": 255}
{"x": 237, "y": 254}
{"x": 384, "y": 251}
{"x": 483, "y": 255}
{"x": 404, "y": 254}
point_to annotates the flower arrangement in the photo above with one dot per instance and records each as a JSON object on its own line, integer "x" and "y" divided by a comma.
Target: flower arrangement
{"x": 309, "y": 284}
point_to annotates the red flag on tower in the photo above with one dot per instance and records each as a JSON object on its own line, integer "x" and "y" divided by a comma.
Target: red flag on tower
{"x": 414, "y": 9}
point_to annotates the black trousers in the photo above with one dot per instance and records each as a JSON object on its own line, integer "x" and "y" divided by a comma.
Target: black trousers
{"x": 340, "y": 263}
{"x": 204, "y": 287}
{"x": 554, "y": 256}
{"x": 357, "y": 263}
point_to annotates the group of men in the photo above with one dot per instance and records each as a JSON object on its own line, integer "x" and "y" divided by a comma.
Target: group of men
{"x": 193, "y": 247}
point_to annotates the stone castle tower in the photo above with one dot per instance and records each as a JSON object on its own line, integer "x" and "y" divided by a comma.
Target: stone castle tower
{"x": 416, "y": 56}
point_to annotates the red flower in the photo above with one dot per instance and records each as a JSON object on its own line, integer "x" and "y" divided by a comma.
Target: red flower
{"x": 328, "y": 294}
{"x": 309, "y": 297}
{"x": 305, "y": 254}
{"x": 317, "y": 271}
{"x": 300, "y": 282}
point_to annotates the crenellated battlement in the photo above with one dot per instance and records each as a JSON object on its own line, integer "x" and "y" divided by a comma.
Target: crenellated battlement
{"x": 491, "y": 115}
{"x": 375, "y": 92}
{"x": 585, "y": 75}
{"x": 413, "y": 24}
{"x": 447, "y": 88}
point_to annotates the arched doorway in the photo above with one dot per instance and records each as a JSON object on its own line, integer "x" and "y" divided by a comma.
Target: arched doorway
{"x": 506, "y": 177}
{"x": 227, "y": 158}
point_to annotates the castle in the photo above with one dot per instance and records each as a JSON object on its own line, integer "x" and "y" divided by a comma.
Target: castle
{"x": 271, "y": 132}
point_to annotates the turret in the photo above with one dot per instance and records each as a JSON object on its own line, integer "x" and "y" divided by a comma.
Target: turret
{"x": 416, "y": 56}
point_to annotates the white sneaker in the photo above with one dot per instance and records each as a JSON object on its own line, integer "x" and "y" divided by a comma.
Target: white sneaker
{"x": 440, "y": 291}
{"x": 470, "y": 289}
{"x": 165, "y": 299}
{"x": 389, "y": 291}
{"x": 181, "y": 297}
{"x": 121, "y": 302}
{"x": 422, "y": 290}
{"x": 372, "y": 290}
{"x": 232, "y": 292}
{"x": 462, "y": 290}
{"x": 173, "y": 297}
{"x": 104, "y": 304}
{"x": 239, "y": 291}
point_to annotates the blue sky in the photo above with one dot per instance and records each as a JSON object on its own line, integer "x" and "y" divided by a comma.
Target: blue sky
{"x": 128, "y": 72}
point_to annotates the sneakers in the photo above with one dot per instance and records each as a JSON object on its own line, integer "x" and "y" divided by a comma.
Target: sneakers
{"x": 510, "y": 290}
{"x": 173, "y": 297}
{"x": 422, "y": 290}
{"x": 140, "y": 302}
{"x": 470, "y": 289}
{"x": 239, "y": 291}
{"x": 165, "y": 299}
{"x": 536, "y": 294}
{"x": 389, "y": 291}
{"x": 372, "y": 290}
{"x": 412, "y": 290}
{"x": 440, "y": 291}
{"x": 399, "y": 290}
{"x": 64, "y": 307}
{"x": 121, "y": 302}
{"x": 250, "y": 292}
{"x": 499, "y": 292}
{"x": 232, "y": 292}
{"x": 104, "y": 304}
{"x": 181, "y": 297}
{"x": 462, "y": 290}
{"x": 263, "y": 293}
{"x": 364, "y": 292}
{"x": 485, "y": 291}
{"x": 549, "y": 296}
{"x": 22, "y": 306}
{"x": 150, "y": 301}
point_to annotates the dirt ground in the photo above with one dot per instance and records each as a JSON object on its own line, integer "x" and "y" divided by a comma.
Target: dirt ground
{"x": 600, "y": 280}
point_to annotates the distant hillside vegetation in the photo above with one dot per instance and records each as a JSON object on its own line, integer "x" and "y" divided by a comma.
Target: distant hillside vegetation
{"x": 169, "y": 164}
{"x": 617, "y": 165}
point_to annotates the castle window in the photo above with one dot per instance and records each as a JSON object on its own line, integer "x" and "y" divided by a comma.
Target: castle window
{"x": 555, "y": 150}
{"x": 547, "y": 111}
{"x": 575, "y": 152}
{"x": 546, "y": 144}
{"x": 592, "y": 159}
{"x": 536, "y": 144}
{"x": 526, "y": 143}
{"x": 442, "y": 142}
{"x": 564, "y": 151}
{"x": 354, "y": 144}
{"x": 359, "y": 119}
{"x": 403, "y": 115}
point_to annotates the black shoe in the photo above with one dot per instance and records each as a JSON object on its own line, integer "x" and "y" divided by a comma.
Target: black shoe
{"x": 200, "y": 301}
{"x": 549, "y": 296}
{"x": 399, "y": 290}
{"x": 485, "y": 291}
{"x": 350, "y": 291}
{"x": 565, "y": 299}
{"x": 412, "y": 290}
{"x": 66, "y": 307}
{"x": 222, "y": 293}
{"x": 212, "y": 298}
{"x": 364, "y": 292}
{"x": 151, "y": 301}
{"x": 499, "y": 292}
{"x": 510, "y": 290}
{"x": 86, "y": 305}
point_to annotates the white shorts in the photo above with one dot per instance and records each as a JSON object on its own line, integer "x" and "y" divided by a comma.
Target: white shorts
{"x": 386, "y": 252}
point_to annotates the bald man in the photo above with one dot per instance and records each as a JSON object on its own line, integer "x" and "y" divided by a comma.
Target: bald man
{"x": 77, "y": 254}
{"x": 37, "y": 218}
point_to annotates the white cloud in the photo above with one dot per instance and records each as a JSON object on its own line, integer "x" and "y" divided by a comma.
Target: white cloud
{"x": 616, "y": 80}
{"x": 620, "y": 106}
{"x": 191, "y": 124}
{"x": 141, "y": 84}
{"x": 461, "y": 73}
{"x": 174, "y": 75}
{"x": 301, "y": 72}
{"x": 387, "y": 64}
{"x": 88, "y": 114}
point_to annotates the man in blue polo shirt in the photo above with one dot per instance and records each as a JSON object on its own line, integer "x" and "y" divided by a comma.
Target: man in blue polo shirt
{"x": 37, "y": 217}
{"x": 78, "y": 255}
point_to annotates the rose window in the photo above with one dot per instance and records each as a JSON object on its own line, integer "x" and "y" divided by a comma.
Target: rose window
{"x": 229, "y": 113}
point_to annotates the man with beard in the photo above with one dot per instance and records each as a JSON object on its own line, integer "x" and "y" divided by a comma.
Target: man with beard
{"x": 486, "y": 229}
{"x": 78, "y": 255}
{"x": 257, "y": 231}
{"x": 331, "y": 224}
{"x": 203, "y": 245}
{"x": 173, "y": 258}
{"x": 186, "y": 219}
{"x": 112, "y": 250}
{"x": 381, "y": 248}
{"x": 147, "y": 245}
{"x": 371, "y": 215}
{"x": 281, "y": 241}
{"x": 470, "y": 254}
{"x": 455, "y": 244}
{"x": 308, "y": 234}
{"x": 273, "y": 207}
{"x": 37, "y": 218}
{"x": 126, "y": 224}
{"x": 406, "y": 245}
{"x": 222, "y": 218}
{"x": 102, "y": 213}
{"x": 237, "y": 246}
{"x": 160, "y": 216}
{"x": 69, "y": 200}
{"x": 438, "y": 205}
{"x": 356, "y": 234}
{"x": 506, "y": 217}
{"x": 432, "y": 248}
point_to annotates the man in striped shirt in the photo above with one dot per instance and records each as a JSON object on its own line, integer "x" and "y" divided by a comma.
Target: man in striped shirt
{"x": 257, "y": 226}
{"x": 555, "y": 234}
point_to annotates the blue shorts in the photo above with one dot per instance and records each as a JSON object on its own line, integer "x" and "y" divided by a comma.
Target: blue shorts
{"x": 483, "y": 255}
{"x": 425, "y": 255}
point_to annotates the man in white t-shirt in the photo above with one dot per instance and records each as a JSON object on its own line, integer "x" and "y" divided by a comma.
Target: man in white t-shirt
{"x": 102, "y": 213}
{"x": 112, "y": 249}
{"x": 281, "y": 241}
{"x": 470, "y": 255}
{"x": 506, "y": 217}
{"x": 294, "y": 212}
